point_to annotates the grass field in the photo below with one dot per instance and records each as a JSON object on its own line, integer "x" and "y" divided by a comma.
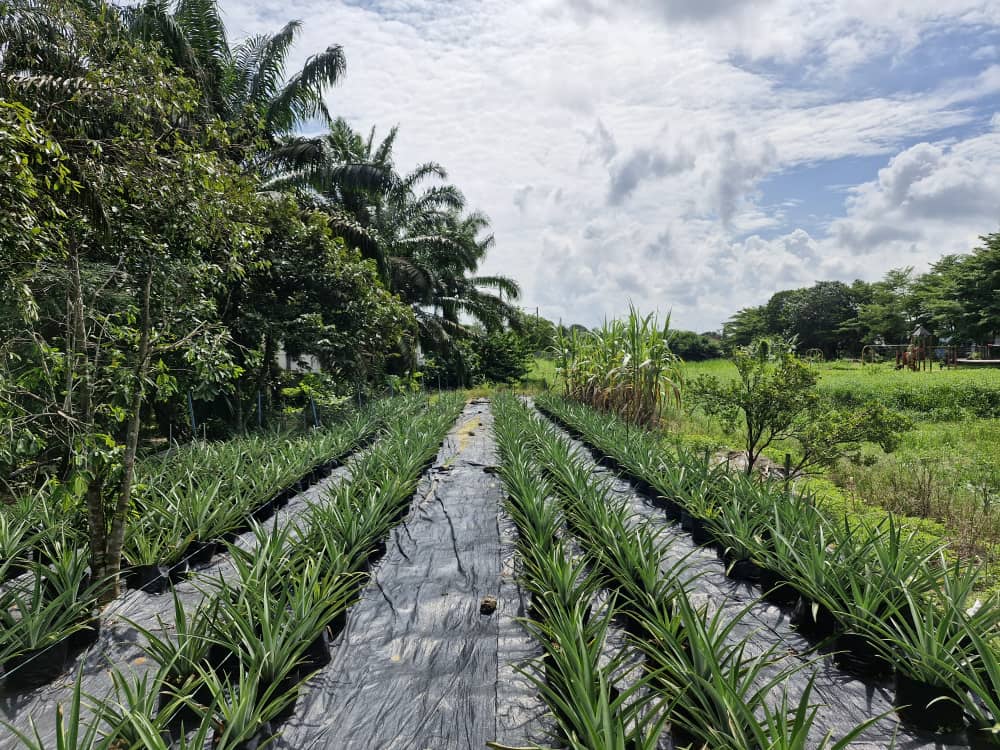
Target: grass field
{"x": 946, "y": 470}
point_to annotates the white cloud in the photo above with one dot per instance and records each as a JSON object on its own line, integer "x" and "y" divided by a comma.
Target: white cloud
{"x": 929, "y": 200}
{"x": 620, "y": 147}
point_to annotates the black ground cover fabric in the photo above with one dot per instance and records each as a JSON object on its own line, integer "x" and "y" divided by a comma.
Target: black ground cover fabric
{"x": 418, "y": 665}
{"x": 845, "y": 701}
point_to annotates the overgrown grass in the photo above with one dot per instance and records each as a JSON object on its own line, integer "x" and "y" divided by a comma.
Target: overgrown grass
{"x": 945, "y": 470}
{"x": 938, "y": 395}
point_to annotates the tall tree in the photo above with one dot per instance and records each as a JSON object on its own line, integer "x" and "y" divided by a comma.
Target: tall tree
{"x": 247, "y": 85}
{"x": 128, "y": 279}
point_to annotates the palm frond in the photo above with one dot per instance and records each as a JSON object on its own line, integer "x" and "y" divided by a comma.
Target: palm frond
{"x": 302, "y": 96}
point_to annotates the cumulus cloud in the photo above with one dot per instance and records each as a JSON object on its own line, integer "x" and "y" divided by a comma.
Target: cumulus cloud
{"x": 643, "y": 164}
{"x": 929, "y": 199}
{"x": 620, "y": 146}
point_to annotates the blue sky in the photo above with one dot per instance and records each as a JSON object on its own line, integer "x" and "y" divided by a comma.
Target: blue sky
{"x": 687, "y": 155}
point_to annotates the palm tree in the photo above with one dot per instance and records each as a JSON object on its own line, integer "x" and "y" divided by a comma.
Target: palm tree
{"x": 414, "y": 226}
{"x": 244, "y": 85}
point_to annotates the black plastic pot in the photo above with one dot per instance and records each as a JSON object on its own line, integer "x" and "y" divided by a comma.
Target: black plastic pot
{"x": 263, "y": 511}
{"x": 913, "y": 704}
{"x": 742, "y": 569}
{"x": 316, "y": 656}
{"x": 701, "y": 532}
{"x": 286, "y": 685}
{"x": 35, "y": 668}
{"x": 682, "y": 738}
{"x": 284, "y": 497}
{"x": 776, "y": 589}
{"x": 670, "y": 508}
{"x": 224, "y": 661}
{"x": 982, "y": 738}
{"x": 642, "y": 486}
{"x": 607, "y": 462}
{"x": 633, "y": 626}
{"x": 177, "y": 572}
{"x": 687, "y": 521}
{"x": 377, "y": 553}
{"x": 200, "y": 553}
{"x": 336, "y": 626}
{"x": 86, "y": 636}
{"x": 819, "y": 626}
{"x": 855, "y": 654}
{"x": 186, "y": 714}
{"x": 148, "y": 578}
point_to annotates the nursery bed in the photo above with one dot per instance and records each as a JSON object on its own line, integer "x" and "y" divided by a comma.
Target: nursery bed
{"x": 417, "y": 665}
{"x": 845, "y": 701}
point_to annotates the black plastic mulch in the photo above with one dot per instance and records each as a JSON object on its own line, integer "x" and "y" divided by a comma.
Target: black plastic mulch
{"x": 419, "y": 665}
{"x": 426, "y": 659}
{"x": 120, "y": 643}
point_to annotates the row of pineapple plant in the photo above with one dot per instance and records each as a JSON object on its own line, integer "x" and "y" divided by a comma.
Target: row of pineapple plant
{"x": 186, "y": 505}
{"x": 578, "y": 686}
{"x": 231, "y": 671}
{"x": 716, "y": 689}
{"x": 889, "y": 601}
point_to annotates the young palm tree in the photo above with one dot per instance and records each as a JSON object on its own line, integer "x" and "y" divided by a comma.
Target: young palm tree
{"x": 413, "y": 225}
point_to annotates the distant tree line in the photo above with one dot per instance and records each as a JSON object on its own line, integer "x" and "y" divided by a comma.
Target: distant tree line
{"x": 957, "y": 300}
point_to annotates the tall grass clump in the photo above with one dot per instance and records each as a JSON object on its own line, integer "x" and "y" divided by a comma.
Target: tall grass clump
{"x": 625, "y": 367}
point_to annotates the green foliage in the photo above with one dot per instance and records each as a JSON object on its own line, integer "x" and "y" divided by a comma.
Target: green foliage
{"x": 774, "y": 397}
{"x": 504, "y": 357}
{"x": 955, "y": 299}
{"x": 693, "y": 347}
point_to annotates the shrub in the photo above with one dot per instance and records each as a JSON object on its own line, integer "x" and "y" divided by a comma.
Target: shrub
{"x": 504, "y": 357}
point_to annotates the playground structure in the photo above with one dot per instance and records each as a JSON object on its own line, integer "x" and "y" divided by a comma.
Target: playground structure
{"x": 921, "y": 353}
{"x": 915, "y": 356}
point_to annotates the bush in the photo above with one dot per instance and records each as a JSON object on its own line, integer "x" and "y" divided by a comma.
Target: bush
{"x": 504, "y": 357}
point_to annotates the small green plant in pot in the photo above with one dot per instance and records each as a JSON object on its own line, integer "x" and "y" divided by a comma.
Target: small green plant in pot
{"x": 181, "y": 655}
{"x": 981, "y": 682}
{"x": 927, "y": 643}
{"x": 35, "y": 631}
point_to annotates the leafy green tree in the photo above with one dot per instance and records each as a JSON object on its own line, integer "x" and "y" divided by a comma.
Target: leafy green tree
{"x": 129, "y": 281}
{"x": 976, "y": 284}
{"x": 937, "y": 298}
{"x": 539, "y": 334}
{"x": 306, "y": 291}
{"x": 694, "y": 347}
{"x": 745, "y": 327}
{"x": 774, "y": 398}
{"x": 887, "y": 310}
{"x": 504, "y": 357}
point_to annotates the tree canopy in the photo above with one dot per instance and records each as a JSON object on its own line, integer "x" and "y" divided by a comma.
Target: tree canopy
{"x": 956, "y": 300}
